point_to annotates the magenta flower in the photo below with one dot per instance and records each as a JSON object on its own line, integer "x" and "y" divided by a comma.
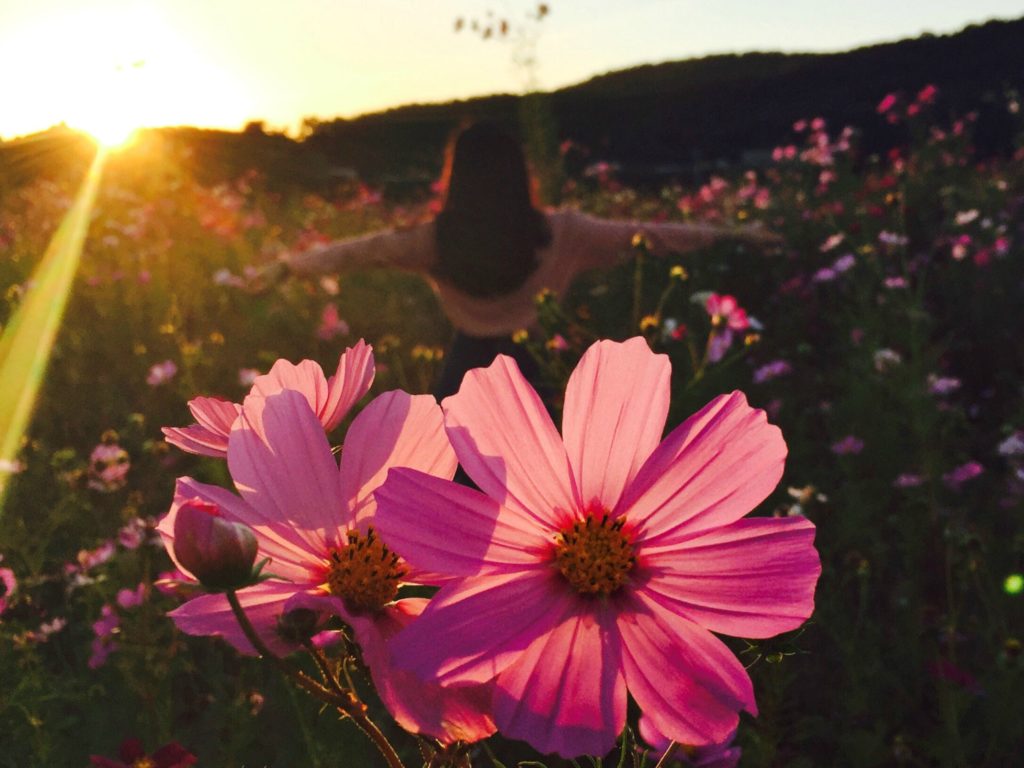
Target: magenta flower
{"x": 330, "y": 399}
{"x": 104, "y": 630}
{"x": 315, "y": 522}
{"x": 727, "y": 316}
{"x": 600, "y": 561}
{"x": 959, "y": 475}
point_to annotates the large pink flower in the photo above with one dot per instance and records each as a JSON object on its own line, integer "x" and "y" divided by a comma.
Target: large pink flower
{"x": 329, "y": 398}
{"x": 315, "y": 521}
{"x": 600, "y": 561}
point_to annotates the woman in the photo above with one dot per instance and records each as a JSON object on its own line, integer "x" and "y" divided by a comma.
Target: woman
{"x": 490, "y": 250}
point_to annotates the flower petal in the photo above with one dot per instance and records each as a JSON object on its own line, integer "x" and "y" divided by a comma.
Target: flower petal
{"x": 507, "y": 444}
{"x": 212, "y": 615}
{"x": 282, "y": 465}
{"x": 350, "y": 381}
{"x": 684, "y": 678}
{"x": 395, "y": 430}
{"x": 306, "y": 377}
{"x": 289, "y": 558}
{"x": 474, "y": 628}
{"x": 209, "y": 435}
{"x": 710, "y": 471}
{"x": 616, "y": 404}
{"x": 566, "y": 693}
{"x": 459, "y": 713}
{"x": 754, "y": 578}
{"x": 447, "y": 528}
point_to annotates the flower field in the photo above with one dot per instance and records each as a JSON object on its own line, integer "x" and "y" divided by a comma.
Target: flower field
{"x": 878, "y": 343}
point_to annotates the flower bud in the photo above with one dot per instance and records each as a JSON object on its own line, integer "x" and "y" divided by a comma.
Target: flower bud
{"x": 218, "y": 552}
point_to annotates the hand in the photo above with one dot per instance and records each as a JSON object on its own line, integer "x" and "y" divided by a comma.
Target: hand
{"x": 269, "y": 276}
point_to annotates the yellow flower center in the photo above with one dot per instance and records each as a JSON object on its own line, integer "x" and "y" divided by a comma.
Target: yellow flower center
{"x": 365, "y": 573}
{"x": 595, "y": 555}
{"x": 144, "y": 762}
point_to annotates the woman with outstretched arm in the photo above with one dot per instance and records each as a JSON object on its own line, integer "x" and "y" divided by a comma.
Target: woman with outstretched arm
{"x": 490, "y": 250}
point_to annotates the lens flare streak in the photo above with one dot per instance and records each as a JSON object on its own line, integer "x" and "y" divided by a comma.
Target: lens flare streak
{"x": 28, "y": 338}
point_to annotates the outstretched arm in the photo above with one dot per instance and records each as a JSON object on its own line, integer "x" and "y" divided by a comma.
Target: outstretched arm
{"x": 600, "y": 242}
{"x": 411, "y": 249}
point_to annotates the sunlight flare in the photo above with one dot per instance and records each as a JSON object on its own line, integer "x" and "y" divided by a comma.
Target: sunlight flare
{"x": 28, "y": 338}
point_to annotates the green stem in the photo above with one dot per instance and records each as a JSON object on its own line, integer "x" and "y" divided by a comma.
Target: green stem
{"x": 346, "y": 703}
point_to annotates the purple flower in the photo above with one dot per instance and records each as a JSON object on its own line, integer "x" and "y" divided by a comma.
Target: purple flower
{"x": 849, "y": 445}
{"x": 104, "y": 629}
{"x": 772, "y": 370}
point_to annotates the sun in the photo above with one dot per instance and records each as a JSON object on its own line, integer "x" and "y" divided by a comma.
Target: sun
{"x": 113, "y": 109}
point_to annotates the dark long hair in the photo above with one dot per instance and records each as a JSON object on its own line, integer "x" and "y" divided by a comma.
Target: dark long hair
{"x": 489, "y": 230}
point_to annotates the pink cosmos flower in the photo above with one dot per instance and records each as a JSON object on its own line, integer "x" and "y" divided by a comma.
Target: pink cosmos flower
{"x": 330, "y": 398}
{"x": 104, "y": 643}
{"x": 727, "y": 316}
{"x": 161, "y": 373}
{"x": 108, "y": 467}
{"x": 600, "y": 561}
{"x": 315, "y": 521}
{"x": 8, "y": 583}
{"x": 331, "y": 324}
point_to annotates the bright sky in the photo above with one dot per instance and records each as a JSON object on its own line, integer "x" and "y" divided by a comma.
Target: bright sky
{"x": 220, "y": 63}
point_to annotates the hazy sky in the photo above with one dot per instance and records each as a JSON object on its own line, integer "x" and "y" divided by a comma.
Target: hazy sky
{"x": 219, "y": 63}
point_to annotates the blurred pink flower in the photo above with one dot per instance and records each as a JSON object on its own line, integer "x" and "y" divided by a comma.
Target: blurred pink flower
{"x": 886, "y": 103}
{"x": 942, "y": 385}
{"x": 908, "y": 480}
{"x": 595, "y": 547}
{"x": 130, "y": 598}
{"x": 104, "y": 629}
{"x": 316, "y": 523}
{"x": 849, "y": 445}
{"x": 833, "y": 241}
{"x": 726, "y": 316}
{"x": 927, "y": 94}
{"x": 247, "y": 376}
{"x": 331, "y": 324}
{"x": 161, "y": 373}
{"x": 330, "y": 398}
{"x": 108, "y": 467}
{"x": 133, "y": 534}
{"x": 960, "y": 475}
{"x": 8, "y": 584}
{"x": 90, "y": 558}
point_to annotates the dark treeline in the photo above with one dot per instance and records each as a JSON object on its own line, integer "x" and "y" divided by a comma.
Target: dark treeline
{"x": 678, "y": 119}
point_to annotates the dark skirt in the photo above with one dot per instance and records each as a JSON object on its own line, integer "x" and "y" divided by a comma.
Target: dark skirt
{"x": 468, "y": 352}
